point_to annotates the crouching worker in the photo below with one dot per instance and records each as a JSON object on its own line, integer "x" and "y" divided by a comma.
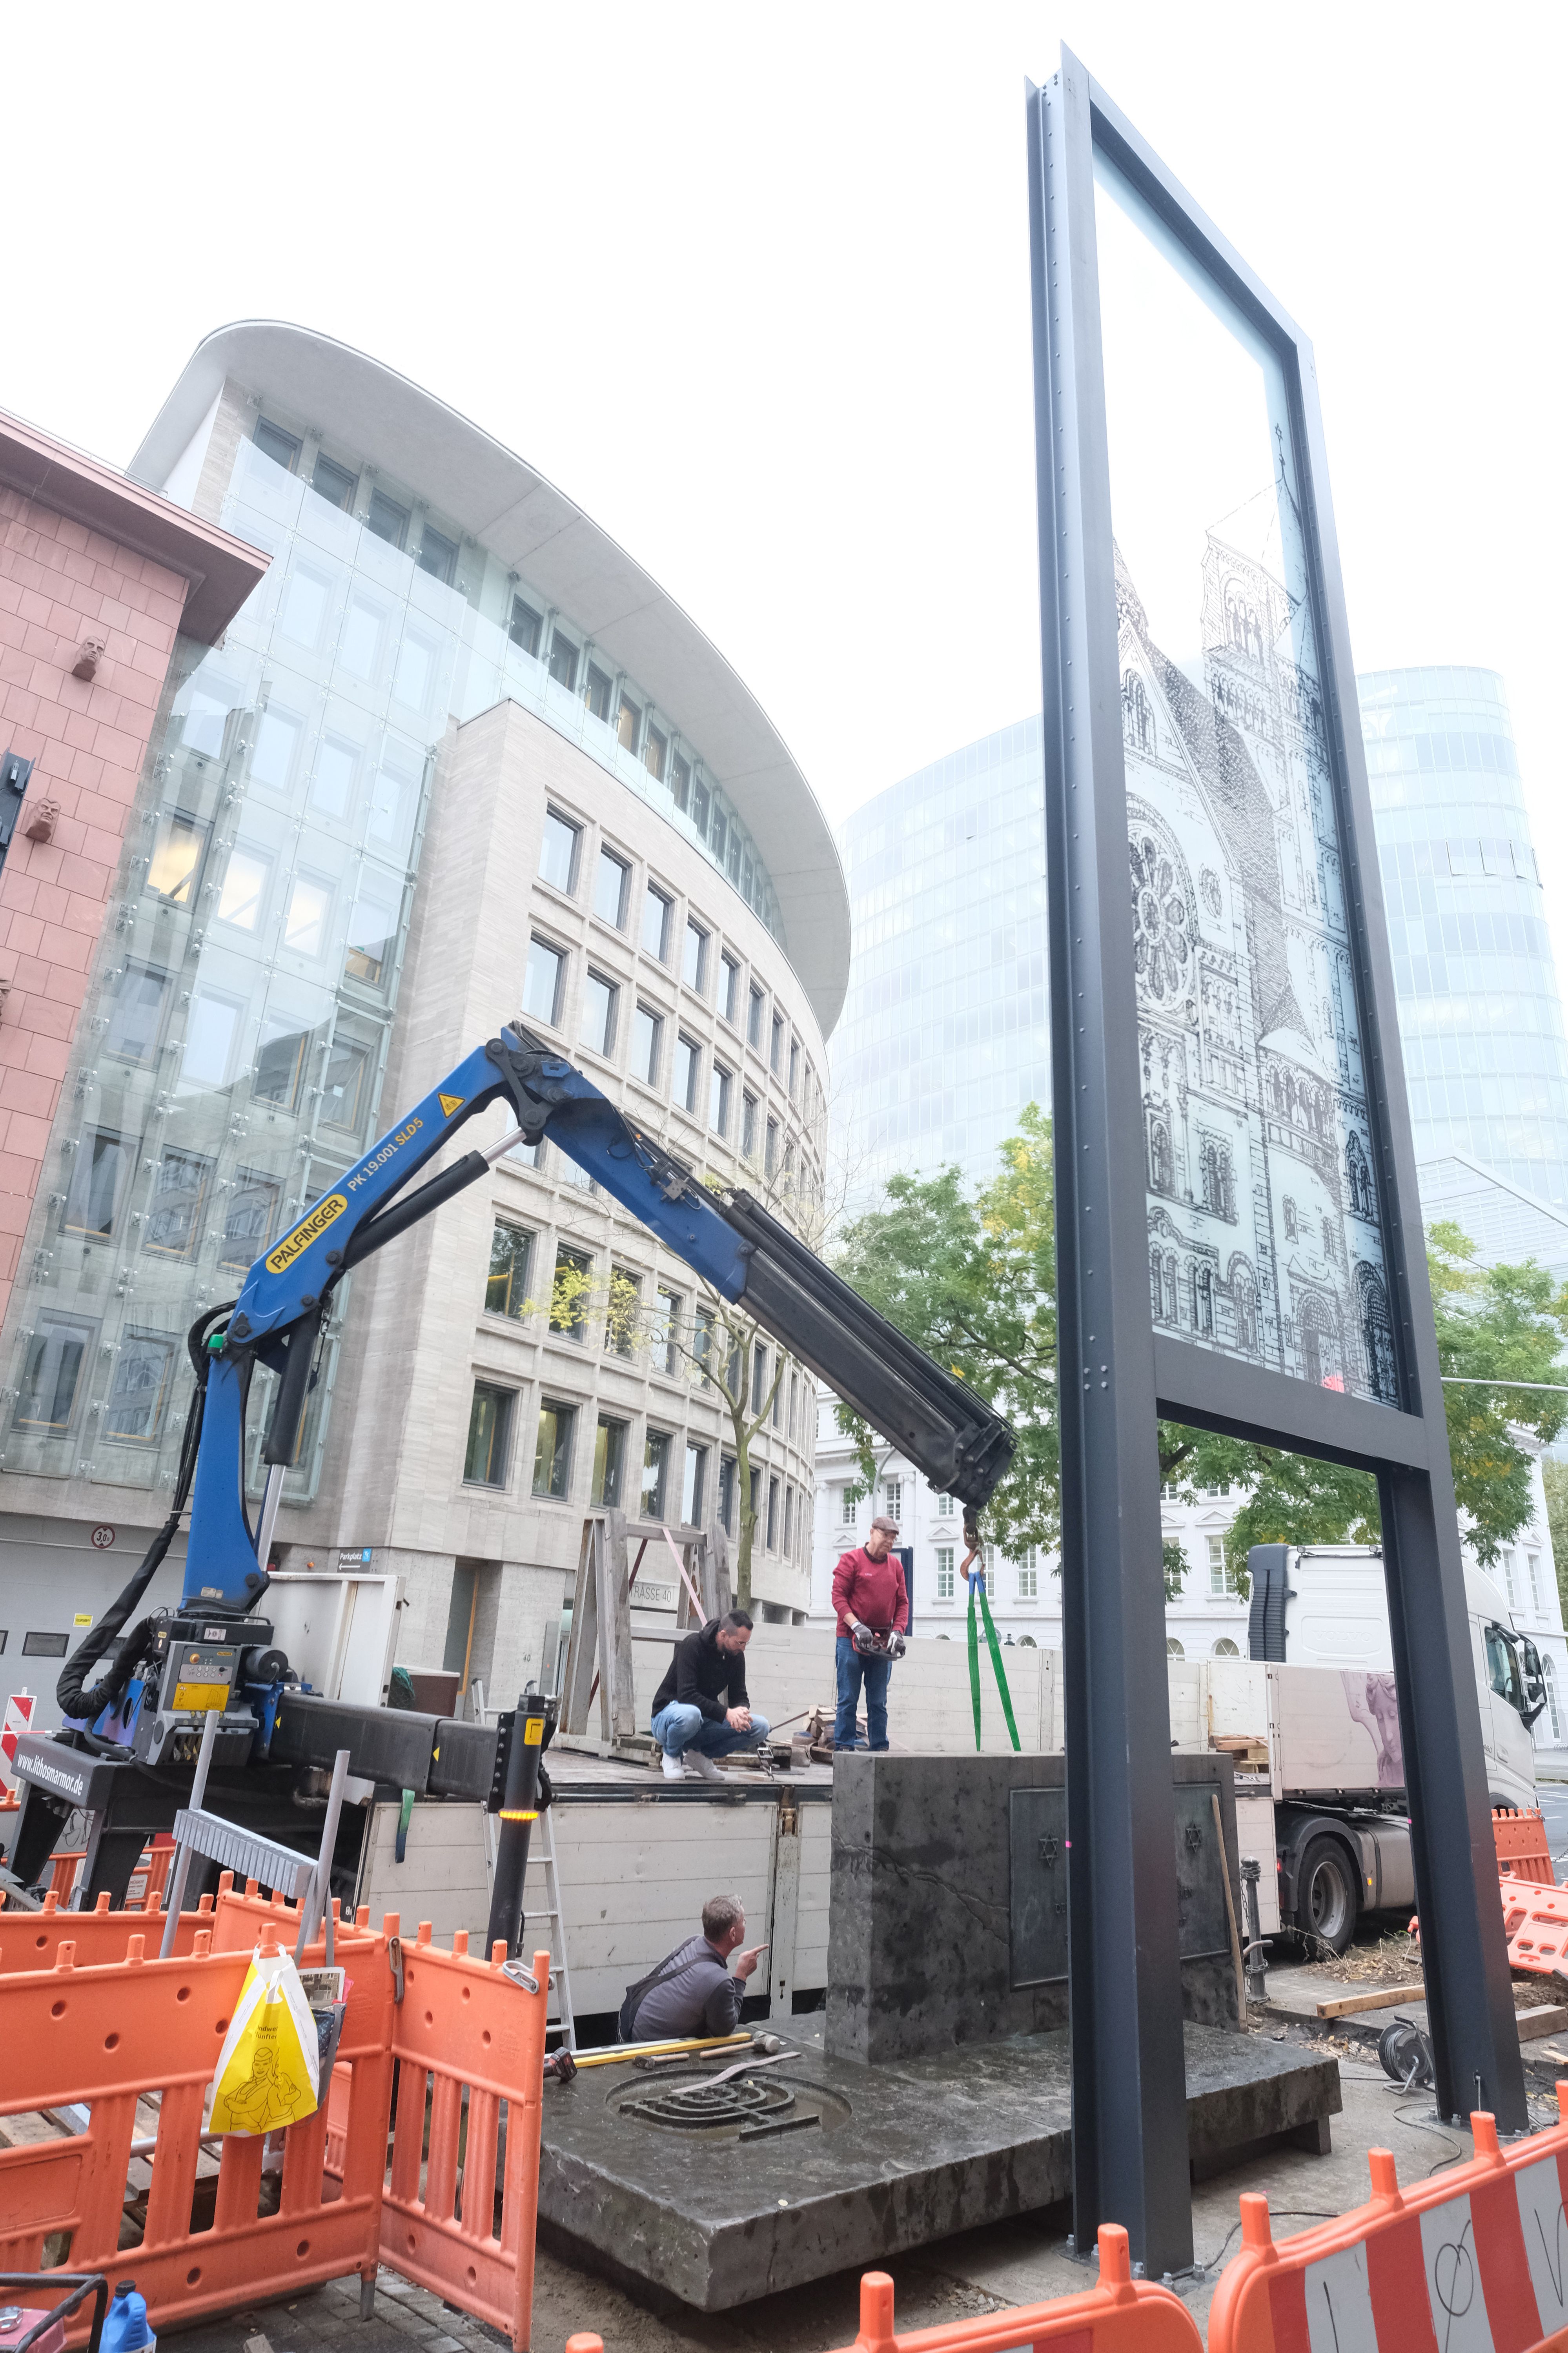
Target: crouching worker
{"x": 701, "y": 1709}
{"x": 693, "y": 1992}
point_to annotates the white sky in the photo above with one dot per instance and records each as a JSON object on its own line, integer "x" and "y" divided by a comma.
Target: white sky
{"x": 751, "y": 285}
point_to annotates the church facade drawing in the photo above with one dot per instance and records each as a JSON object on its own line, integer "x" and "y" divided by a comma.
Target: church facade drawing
{"x": 1264, "y": 1233}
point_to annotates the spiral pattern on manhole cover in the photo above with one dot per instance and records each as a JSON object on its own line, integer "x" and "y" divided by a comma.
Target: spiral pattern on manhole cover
{"x": 701, "y": 2107}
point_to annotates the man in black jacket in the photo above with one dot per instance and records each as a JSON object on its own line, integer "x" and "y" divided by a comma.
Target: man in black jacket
{"x": 701, "y": 1710}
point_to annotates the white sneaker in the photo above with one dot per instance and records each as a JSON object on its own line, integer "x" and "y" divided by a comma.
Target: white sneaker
{"x": 674, "y": 1767}
{"x": 700, "y": 1768}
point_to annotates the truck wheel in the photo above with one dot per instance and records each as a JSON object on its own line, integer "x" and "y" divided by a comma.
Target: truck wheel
{"x": 1326, "y": 1894}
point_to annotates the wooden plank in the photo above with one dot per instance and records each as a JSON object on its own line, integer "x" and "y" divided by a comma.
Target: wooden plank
{"x": 1385, "y": 1998}
{"x": 1549, "y": 2018}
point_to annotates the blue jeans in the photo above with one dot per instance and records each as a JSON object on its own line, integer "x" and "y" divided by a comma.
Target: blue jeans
{"x": 678, "y": 1728}
{"x": 852, "y": 1671}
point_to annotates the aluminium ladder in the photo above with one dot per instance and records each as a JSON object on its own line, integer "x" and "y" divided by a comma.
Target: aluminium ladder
{"x": 541, "y": 1853}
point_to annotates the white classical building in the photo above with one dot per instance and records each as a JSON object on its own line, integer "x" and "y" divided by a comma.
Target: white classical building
{"x": 1207, "y": 1619}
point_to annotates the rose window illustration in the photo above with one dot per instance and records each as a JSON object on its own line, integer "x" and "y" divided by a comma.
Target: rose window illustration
{"x": 1163, "y": 949}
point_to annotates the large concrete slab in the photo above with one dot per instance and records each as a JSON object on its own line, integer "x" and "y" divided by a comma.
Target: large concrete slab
{"x": 948, "y": 1907}
{"x": 829, "y": 2163}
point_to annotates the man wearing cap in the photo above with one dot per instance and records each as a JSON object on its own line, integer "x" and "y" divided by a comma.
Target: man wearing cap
{"x": 868, "y": 1595}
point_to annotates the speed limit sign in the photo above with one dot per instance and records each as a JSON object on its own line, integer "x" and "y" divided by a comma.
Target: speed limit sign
{"x": 102, "y": 1536}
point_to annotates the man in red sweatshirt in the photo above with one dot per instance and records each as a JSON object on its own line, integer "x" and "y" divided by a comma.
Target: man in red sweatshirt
{"x": 868, "y": 1592}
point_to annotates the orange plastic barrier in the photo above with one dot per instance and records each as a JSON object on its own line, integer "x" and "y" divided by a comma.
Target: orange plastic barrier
{"x": 1535, "y": 1922}
{"x": 1120, "y": 2316}
{"x": 462, "y": 2021}
{"x": 31, "y": 1940}
{"x": 1523, "y": 1851}
{"x": 103, "y": 2038}
{"x": 1472, "y": 2258}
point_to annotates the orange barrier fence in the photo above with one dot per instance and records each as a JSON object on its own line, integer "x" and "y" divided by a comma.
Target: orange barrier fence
{"x": 111, "y": 2036}
{"x": 1535, "y": 1922}
{"x": 29, "y": 1940}
{"x": 148, "y": 1881}
{"x": 1523, "y": 1850}
{"x": 464, "y": 2022}
{"x": 1472, "y": 2258}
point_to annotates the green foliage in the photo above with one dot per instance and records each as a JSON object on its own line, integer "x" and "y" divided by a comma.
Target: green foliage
{"x": 1554, "y": 1476}
{"x": 971, "y": 1277}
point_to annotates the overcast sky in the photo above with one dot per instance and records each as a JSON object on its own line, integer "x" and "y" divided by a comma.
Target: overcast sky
{"x": 751, "y": 286}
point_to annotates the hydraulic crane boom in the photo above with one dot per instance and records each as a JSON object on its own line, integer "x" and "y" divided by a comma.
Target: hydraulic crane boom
{"x": 729, "y": 1240}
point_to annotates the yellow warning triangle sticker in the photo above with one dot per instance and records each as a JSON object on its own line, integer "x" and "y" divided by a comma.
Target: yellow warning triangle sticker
{"x": 449, "y": 1104}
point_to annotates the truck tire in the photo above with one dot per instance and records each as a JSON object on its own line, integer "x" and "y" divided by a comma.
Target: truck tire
{"x": 1326, "y": 1894}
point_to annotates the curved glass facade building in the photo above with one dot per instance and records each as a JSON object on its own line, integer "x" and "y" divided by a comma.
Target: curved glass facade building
{"x": 1479, "y": 1015}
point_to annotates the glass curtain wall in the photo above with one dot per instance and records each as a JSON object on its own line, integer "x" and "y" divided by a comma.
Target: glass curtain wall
{"x": 230, "y": 1053}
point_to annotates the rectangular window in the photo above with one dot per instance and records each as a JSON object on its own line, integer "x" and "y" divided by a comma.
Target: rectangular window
{"x": 334, "y": 483}
{"x": 793, "y": 1066}
{"x": 610, "y": 879}
{"x": 759, "y": 1376}
{"x": 596, "y": 693}
{"x": 893, "y": 1498}
{"x": 506, "y": 1284}
{"x": 136, "y": 1015}
{"x": 180, "y": 1184}
{"x": 776, "y": 1415}
{"x": 735, "y": 1373}
{"x": 789, "y": 1519}
{"x": 1532, "y": 1563}
{"x": 244, "y": 888}
{"x": 309, "y": 912}
{"x": 749, "y": 1127}
{"x": 849, "y": 1506}
{"x": 373, "y": 931}
{"x": 143, "y": 1373}
{"x": 655, "y": 924}
{"x": 945, "y": 1575}
{"x": 655, "y": 1473}
{"x": 655, "y": 748}
{"x": 944, "y": 1507}
{"x": 543, "y": 981}
{"x": 773, "y": 1535}
{"x": 47, "y": 1397}
{"x": 729, "y": 988}
{"x": 100, "y": 1177}
{"x": 284, "y": 448}
{"x": 609, "y": 1463}
{"x": 345, "y": 1084}
{"x": 176, "y": 854}
{"x": 686, "y": 1058}
{"x": 693, "y": 1484}
{"x": 1030, "y": 1578}
{"x": 666, "y": 1333}
{"x": 526, "y": 627}
{"x": 558, "y": 851}
{"x": 437, "y": 555}
{"x": 719, "y": 1101}
{"x": 628, "y": 719}
{"x": 386, "y": 520}
{"x": 647, "y": 1033}
{"x": 756, "y": 1501}
{"x": 1508, "y": 1585}
{"x": 568, "y": 1294}
{"x": 771, "y": 1151}
{"x": 251, "y": 1218}
{"x": 694, "y": 957}
{"x": 718, "y": 832}
{"x": 793, "y": 1395}
{"x": 563, "y": 661}
{"x": 704, "y": 1333}
{"x": 280, "y": 1065}
{"x": 599, "y": 997}
{"x": 754, "y": 1018}
{"x": 680, "y": 781}
{"x": 44, "y": 1646}
{"x": 552, "y": 1452}
{"x": 727, "y": 1483}
{"x": 775, "y": 1045}
{"x": 623, "y": 1316}
{"x": 1216, "y": 1566}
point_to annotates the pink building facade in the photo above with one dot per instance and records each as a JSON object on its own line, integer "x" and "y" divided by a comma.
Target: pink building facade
{"x": 99, "y": 579}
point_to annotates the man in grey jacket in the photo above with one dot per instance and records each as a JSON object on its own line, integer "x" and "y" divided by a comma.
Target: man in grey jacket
{"x": 693, "y": 1992}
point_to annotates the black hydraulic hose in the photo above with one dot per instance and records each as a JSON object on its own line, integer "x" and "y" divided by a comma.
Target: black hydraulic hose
{"x": 70, "y": 1691}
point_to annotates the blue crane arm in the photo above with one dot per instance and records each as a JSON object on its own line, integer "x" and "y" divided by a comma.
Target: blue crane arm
{"x": 729, "y": 1240}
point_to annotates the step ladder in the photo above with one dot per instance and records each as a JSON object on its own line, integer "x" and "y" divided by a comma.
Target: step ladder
{"x": 541, "y": 1858}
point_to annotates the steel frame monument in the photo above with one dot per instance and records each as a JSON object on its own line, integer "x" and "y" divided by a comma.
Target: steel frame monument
{"x": 1238, "y": 1233}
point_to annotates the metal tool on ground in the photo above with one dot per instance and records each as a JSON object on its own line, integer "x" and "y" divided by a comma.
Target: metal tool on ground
{"x": 1256, "y": 1975}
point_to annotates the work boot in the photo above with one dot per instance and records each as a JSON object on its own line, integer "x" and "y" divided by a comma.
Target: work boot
{"x": 674, "y": 1767}
{"x": 700, "y": 1768}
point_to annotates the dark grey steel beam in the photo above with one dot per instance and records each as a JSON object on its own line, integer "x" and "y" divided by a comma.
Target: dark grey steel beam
{"x": 1130, "y": 2127}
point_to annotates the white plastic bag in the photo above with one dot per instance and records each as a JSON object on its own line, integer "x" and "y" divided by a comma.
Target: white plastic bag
{"x": 268, "y": 2071}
